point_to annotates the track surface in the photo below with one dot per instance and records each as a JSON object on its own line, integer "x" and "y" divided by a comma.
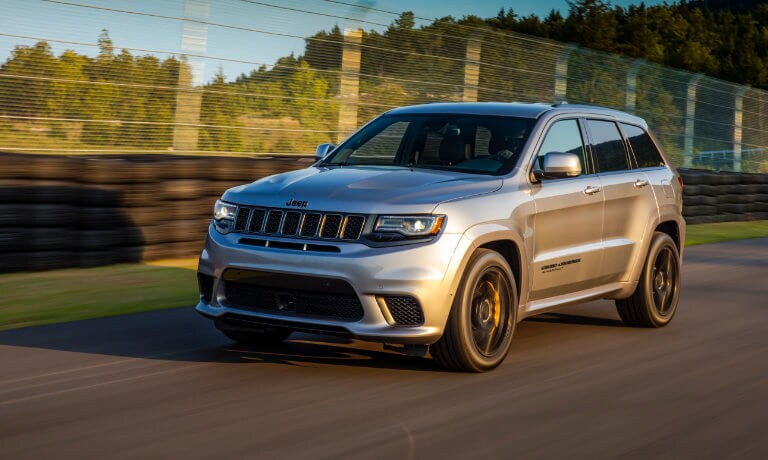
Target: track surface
{"x": 576, "y": 385}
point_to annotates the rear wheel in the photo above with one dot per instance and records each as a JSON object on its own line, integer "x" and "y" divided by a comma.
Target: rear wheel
{"x": 654, "y": 302}
{"x": 479, "y": 331}
{"x": 266, "y": 336}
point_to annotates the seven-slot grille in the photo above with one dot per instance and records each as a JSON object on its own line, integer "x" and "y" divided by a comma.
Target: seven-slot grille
{"x": 308, "y": 224}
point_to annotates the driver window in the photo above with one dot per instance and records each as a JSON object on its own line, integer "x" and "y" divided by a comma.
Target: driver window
{"x": 563, "y": 136}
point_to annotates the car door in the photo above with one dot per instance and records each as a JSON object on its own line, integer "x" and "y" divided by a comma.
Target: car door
{"x": 648, "y": 159}
{"x": 630, "y": 205}
{"x": 568, "y": 221}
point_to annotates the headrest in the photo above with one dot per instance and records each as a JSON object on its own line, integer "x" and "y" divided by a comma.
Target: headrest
{"x": 497, "y": 143}
{"x": 452, "y": 149}
{"x": 505, "y": 141}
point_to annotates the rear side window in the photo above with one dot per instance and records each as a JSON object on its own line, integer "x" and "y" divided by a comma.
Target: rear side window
{"x": 646, "y": 153}
{"x": 607, "y": 146}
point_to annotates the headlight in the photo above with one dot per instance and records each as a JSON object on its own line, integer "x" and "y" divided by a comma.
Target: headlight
{"x": 222, "y": 210}
{"x": 224, "y": 216}
{"x": 411, "y": 226}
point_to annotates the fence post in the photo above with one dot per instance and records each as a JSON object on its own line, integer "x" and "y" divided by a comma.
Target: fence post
{"x": 630, "y": 91}
{"x": 194, "y": 41}
{"x": 738, "y": 124}
{"x": 561, "y": 73}
{"x": 472, "y": 70}
{"x": 349, "y": 86}
{"x": 690, "y": 114}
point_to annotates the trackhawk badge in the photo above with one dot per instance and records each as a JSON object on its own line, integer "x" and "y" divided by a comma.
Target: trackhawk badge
{"x": 296, "y": 203}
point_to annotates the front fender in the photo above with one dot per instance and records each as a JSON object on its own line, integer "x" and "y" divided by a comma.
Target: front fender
{"x": 476, "y": 237}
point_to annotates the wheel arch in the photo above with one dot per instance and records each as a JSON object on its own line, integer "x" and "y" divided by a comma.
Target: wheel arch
{"x": 511, "y": 253}
{"x": 671, "y": 228}
{"x": 500, "y": 239}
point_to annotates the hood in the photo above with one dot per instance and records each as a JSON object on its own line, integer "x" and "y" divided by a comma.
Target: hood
{"x": 365, "y": 190}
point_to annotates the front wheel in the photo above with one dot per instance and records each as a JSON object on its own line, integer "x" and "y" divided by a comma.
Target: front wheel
{"x": 654, "y": 302}
{"x": 479, "y": 331}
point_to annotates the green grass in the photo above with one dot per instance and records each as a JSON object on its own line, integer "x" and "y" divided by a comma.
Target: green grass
{"x": 725, "y": 231}
{"x": 57, "y": 296}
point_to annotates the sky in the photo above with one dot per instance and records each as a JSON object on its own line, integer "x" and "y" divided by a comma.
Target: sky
{"x": 247, "y": 33}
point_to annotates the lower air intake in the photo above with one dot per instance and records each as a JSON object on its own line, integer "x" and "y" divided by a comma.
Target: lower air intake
{"x": 405, "y": 310}
{"x": 205, "y": 283}
{"x": 292, "y": 295}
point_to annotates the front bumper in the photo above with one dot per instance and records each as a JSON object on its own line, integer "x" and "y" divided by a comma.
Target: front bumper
{"x": 418, "y": 270}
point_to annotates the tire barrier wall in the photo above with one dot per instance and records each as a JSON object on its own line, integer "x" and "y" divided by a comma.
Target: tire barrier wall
{"x": 58, "y": 212}
{"x": 724, "y": 196}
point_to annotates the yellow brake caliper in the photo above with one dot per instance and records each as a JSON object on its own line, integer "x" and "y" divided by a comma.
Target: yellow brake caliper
{"x": 495, "y": 305}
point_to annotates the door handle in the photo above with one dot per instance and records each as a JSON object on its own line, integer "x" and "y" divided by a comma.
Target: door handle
{"x": 591, "y": 190}
{"x": 639, "y": 183}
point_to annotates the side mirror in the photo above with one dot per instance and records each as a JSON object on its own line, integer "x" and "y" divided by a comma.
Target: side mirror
{"x": 558, "y": 165}
{"x": 322, "y": 151}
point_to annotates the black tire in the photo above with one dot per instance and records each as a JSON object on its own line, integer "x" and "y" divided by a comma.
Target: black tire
{"x": 700, "y": 210}
{"x": 736, "y": 199}
{"x": 98, "y": 197}
{"x": 693, "y": 190}
{"x": 733, "y": 208}
{"x": 733, "y": 189}
{"x": 485, "y": 305}
{"x": 654, "y": 302}
{"x": 701, "y": 220}
{"x": 726, "y": 217}
{"x": 266, "y": 336}
{"x": 697, "y": 200}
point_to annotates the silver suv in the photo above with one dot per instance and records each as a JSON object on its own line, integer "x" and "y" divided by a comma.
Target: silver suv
{"x": 439, "y": 227}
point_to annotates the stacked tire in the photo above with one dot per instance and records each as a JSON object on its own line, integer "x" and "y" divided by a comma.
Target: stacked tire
{"x": 58, "y": 212}
{"x": 724, "y": 196}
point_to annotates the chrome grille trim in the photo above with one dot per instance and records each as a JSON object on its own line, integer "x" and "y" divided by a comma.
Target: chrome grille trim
{"x": 311, "y": 224}
{"x": 357, "y": 220}
{"x": 315, "y": 224}
{"x": 256, "y": 224}
{"x": 332, "y": 227}
{"x": 274, "y": 222}
{"x": 291, "y": 223}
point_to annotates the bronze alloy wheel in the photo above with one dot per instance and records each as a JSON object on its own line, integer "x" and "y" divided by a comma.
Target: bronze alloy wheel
{"x": 664, "y": 283}
{"x": 654, "y": 302}
{"x": 490, "y": 311}
{"x": 479, "y": 331}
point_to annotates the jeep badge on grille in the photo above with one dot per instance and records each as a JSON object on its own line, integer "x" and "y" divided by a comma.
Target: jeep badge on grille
{"x": 296, "y": 203}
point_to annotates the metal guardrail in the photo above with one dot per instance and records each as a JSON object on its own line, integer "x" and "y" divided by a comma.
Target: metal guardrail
{"x": 106, "y": 96}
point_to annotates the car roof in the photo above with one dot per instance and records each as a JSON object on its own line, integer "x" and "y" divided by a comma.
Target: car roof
{"x": 513, "y": 109}
{"x": 510, "y": 109}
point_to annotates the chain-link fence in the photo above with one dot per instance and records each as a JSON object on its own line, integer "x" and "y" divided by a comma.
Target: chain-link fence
{"x": 63, "y": 90}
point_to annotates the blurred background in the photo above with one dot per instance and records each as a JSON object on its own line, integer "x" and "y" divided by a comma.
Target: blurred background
{"x": 122, "y": 121}
{"x": 278, "y": 77}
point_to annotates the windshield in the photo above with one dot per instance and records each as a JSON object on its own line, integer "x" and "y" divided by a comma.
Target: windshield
{"x": 469, "y": 143}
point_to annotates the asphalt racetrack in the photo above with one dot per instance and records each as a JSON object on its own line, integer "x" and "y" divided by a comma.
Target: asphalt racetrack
{"x": 577, "y": 384}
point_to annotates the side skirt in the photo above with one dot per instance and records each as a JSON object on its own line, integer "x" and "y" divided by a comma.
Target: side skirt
{"x": 609, "y": 291}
